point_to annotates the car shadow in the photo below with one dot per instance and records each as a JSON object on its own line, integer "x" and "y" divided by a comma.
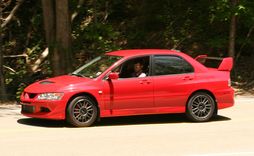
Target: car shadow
{"x": 43, "y": 123}
{"x": 119, "y": 121}
{"x": 151, "y": 119}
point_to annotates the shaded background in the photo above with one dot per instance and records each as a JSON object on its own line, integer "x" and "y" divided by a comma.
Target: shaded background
{"x": 77, "y": 30}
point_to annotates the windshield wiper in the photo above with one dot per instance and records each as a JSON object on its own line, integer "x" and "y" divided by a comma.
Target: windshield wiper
{"x": 76, "y": 74}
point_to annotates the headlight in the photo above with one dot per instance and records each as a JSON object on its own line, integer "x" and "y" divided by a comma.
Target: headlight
{"x": 50, "y": 96}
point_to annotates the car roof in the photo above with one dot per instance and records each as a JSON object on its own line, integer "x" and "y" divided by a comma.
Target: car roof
{"x": 139, "y": 52}
{"x": 136, "y": 52}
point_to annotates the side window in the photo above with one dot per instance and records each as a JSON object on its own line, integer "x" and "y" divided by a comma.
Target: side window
{"x": 136, "y": 67}
{"x": 167, "y": 65}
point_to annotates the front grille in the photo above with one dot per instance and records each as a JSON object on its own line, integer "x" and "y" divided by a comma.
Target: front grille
{"x": 44, "y": 109}
{"x": 30, "y": 95}
{"x": 27, "y": 109}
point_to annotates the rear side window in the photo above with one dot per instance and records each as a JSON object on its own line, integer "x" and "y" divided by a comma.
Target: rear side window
{"x": 167, "y": 65}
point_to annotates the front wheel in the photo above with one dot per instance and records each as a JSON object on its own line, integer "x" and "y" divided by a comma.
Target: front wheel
{"x": 201, "y": 107}
{"x": 81, "y": 112}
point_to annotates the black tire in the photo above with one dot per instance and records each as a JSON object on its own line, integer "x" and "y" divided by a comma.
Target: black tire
{"x": 201, "y": 107}
{"x": 81, "y": 111}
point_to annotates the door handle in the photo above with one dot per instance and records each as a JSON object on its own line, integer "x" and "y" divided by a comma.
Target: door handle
{"x": 148, "y": 82}
{"x": 144, "y": 81}
{"x": 188, "y": 78}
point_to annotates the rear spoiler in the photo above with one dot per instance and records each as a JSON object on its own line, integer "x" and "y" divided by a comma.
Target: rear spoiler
{"x": 225, "y": 65}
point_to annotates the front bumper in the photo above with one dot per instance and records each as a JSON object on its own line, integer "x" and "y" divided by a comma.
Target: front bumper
{"x": 43, "y": 109}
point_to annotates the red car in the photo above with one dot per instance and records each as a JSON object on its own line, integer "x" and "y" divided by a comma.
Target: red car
{"x": 133, "y": 82}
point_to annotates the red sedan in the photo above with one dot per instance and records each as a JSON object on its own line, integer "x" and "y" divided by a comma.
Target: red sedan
{"x": 133, "y": 82}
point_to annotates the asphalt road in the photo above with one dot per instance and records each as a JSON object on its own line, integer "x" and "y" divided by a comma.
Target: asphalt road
{"x": 230, "y": 134}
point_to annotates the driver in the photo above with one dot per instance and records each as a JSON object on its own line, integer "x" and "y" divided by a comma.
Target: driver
{"x": 102, "y": 68}
{"x": 138, "y": 70}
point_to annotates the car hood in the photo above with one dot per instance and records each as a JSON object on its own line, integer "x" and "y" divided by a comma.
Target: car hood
{"x": 56, "y": 84}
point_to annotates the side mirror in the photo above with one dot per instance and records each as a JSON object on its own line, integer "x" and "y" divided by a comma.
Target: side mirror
{"x": 113, "y": 76}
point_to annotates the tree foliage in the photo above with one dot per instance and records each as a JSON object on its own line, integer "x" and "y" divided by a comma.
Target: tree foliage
{"x": 97, "y": 26}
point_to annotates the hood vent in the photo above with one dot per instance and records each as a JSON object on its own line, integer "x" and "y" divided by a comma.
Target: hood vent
{"x": 46, "y": 82}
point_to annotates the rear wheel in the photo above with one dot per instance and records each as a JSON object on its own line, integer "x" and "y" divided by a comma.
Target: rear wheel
{"x": 81, "y": 112}
{"x": 201, "y": 107}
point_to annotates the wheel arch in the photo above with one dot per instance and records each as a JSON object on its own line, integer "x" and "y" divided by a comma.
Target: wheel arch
{"x": 204, "y": 91}
{"x": 84, "y": 94}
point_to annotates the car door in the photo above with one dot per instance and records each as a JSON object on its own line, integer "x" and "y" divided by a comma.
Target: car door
{"x": 173, "y": 77}
{"x": 127, "y": 94}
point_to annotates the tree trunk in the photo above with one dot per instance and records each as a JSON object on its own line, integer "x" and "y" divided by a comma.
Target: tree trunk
{"x": 232, "y": 31}
{"x": 63, "y": 36}
{"x": 58, "y": 34}
{"x": 49, "y": 21}
{"x": 2, "y": 83}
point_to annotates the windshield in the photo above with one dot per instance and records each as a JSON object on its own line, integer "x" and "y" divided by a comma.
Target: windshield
{"x": 96, "y": 67}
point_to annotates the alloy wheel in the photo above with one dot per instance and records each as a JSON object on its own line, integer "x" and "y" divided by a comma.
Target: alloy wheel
{"x": 83, "y": 110}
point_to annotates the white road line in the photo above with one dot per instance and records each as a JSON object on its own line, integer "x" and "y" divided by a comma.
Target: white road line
{"x": 226, "y": 154}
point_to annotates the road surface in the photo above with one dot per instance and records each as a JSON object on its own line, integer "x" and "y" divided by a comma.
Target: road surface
{"x": 229, "y": 134}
